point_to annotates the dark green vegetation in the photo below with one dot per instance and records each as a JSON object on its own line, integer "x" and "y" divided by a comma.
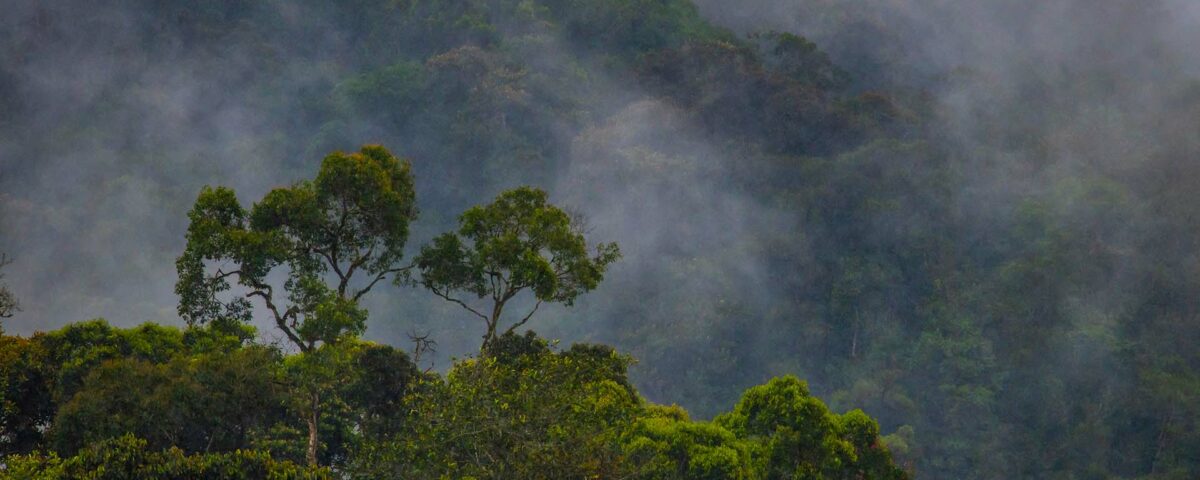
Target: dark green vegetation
{"x": 998, "y": 265}
{"x": 162, "y": 403}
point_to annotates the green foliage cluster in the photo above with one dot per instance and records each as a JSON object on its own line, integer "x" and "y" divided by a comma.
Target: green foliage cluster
{"x": 523, "y": 410}
{"x": 353, "y": 218}
{"x": 129, "y": 458}
{"x": 518, "y": 242}
{"x": 229, "y": 393}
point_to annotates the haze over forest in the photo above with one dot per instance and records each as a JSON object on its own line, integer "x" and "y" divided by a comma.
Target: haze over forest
{"x": 974, "y": 220}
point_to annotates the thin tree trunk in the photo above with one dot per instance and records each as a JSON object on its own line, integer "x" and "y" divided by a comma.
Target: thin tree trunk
{"x": 311, "y": 454}
{"x": 489, "y": 336}
{"x": 1161, "y": 444}
{"x": 492, "y": 324}
{"x": 854, "y": 339}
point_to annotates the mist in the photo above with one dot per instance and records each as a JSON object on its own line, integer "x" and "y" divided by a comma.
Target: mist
{"x": 1038, "y": 151}
{"x": 116, "y": 143}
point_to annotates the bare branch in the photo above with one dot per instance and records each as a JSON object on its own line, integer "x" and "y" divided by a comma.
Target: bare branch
{"x": 281, "y": 319}
{"x": 328, "y": 258}
{"x": 513, "y": 290}
{"x": 381, "y": 276}
{"x": 492, "y": 281}
{"x": 220, "y": 275}
{"x": 578, "y": 221}
{"x": 421, "y": 344}
{"x": 357, "y": 295}
{"x": 523, "y": 320}
{"x": 360, "y": 261}
{"x": 460, "y": 303}
{"x": 343, "y": 279}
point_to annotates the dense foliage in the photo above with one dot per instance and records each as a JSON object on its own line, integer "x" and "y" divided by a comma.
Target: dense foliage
{"x": 93, "y": 401}
{"x": 1002, "y": 272}
{"x": 127, "y": 457}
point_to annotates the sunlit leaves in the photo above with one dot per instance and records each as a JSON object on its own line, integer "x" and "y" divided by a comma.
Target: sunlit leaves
{"x": 801, "y": 438}
{"x": 128, "y": 457}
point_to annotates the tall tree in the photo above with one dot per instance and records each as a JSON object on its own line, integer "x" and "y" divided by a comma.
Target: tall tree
{"x": 516, "y": 243}
{"x": 335, "y": 237}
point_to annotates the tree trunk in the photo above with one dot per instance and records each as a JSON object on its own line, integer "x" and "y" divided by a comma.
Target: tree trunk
{"x": 488, "y": 337}
{"x": 1161, "y": 444}
{"x": 854, "y": 338}
{"x": 491, "y": 327}
{"x": 311, "y": 454}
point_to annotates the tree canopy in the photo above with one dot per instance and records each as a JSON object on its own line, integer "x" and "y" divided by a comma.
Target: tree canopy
{"x": 152, "y": 404}
{"x": 517, "y": 243}
{"x": 352, "y": 219}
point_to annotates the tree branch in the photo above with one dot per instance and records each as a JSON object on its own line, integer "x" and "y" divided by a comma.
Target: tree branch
{"x": 358, "y": 262}
{"x": 492, "y": 283}
{"x": 281, "y": 320}
{"x": 223, "y": 275}
{"x": 459, "y": 302}
{"x": 343, "y": 279}
{"x": 512, "y": 292}
{"x": 381, "y": 276}
{"x": 523, "y": 320}
{"x": 335, "y": 244}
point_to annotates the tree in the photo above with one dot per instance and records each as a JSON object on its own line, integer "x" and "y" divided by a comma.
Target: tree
{"x": 525, "y": 411}
{"x": 49, "y": 374}
{"x": 799, "y": 59}
{"x": 518, "y": 242}
{"x": 8, "y": 301}
{"x": 801, "y": 438}
{"x": 26, "y": 403}
{"x": 213, "y": 402}
{"x": 665, "y": 444}
{"x": 351, "y": 222}
{"x": 383, "y": 378}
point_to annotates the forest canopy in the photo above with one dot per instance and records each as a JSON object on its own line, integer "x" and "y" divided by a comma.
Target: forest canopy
{"x": 153, "y": 402}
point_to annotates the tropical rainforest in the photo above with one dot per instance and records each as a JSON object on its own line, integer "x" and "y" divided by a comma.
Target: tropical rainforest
{"x": 602, "y": 239}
